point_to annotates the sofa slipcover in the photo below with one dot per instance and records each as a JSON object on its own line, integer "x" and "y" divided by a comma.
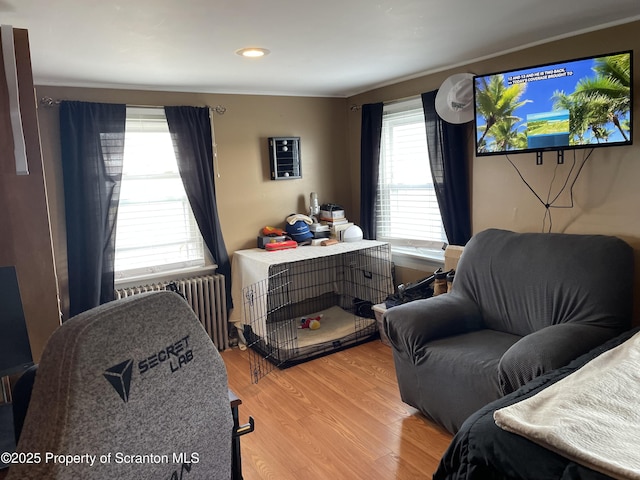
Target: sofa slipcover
{"x": 522, "y": 304}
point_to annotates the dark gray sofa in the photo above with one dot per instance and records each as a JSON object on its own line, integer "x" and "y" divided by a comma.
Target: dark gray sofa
{"x": 522, "y": 304}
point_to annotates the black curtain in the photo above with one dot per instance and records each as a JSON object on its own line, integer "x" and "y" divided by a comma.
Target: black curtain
{"x": 447, "y": 147}
{"x": 369, "y": 166}
{"x": 92, "y": 148}
{"x": 190, "y": 129}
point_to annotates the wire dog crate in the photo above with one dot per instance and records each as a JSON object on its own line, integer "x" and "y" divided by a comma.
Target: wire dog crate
{"x": 339, "y": 290}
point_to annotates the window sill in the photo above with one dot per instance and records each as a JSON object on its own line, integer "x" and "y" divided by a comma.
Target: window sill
{"x": 167, "y": 276}
{"x": 422, "y": 259}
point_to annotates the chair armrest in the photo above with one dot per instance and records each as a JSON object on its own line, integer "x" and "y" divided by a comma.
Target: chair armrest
{"x": 413, "y": 324}
{"x": 547, "y": 349}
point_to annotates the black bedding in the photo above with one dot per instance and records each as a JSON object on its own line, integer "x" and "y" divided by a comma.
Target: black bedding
{"x": 483, "y": 451}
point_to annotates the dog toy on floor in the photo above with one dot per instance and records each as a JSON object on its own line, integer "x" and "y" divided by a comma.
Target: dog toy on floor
{"x": 312, "y": 323}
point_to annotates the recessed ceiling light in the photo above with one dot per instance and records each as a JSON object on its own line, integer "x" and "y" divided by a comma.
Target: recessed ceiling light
{"x": 253, "y": 52}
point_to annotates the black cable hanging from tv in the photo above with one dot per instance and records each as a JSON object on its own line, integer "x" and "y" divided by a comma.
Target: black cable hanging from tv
{"x": 549, "y": 204}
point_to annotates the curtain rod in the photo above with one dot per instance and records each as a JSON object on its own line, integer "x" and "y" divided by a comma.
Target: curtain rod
{"x": 355, "y": 107}
{"x": 50, "y": 102}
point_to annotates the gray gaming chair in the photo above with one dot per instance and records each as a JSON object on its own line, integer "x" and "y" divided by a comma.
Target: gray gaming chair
{"x": 138, "y": 384}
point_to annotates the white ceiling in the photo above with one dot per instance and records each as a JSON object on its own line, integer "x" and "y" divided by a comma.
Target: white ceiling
{"x": 318, "y": 47}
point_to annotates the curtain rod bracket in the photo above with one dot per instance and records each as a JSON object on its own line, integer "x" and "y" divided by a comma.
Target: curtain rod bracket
{"x": 219, "y": 109}
{"x": 49, "y": 102}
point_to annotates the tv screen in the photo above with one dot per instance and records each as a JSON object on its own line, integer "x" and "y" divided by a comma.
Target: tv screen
{"x": 580, "y": 103}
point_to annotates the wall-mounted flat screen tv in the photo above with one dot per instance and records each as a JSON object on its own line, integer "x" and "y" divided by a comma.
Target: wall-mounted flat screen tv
{"x": 580, "y": 103}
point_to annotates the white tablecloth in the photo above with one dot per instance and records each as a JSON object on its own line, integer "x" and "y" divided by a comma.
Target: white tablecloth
{"x": 252, "y": 266}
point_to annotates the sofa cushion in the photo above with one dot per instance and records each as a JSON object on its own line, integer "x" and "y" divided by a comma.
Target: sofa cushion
{"x": 463, "y": 371}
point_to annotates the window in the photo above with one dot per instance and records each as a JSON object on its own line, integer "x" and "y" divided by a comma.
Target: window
{"x": 156, "y": 231}
{"x": 407, "y": 210}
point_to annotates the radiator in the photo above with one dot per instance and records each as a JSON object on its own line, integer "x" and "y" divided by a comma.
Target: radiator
{"x": 205, "y": 294}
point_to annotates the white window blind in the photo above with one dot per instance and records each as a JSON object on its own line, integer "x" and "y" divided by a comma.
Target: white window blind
{"x": 156, "y": 230}
{"x": 407, "y": 210}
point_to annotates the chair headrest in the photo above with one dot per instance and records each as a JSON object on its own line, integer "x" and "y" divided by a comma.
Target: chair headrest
{"x": 138, "y": 376}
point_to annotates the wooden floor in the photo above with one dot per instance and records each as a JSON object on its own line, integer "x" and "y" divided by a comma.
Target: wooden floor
{"x": 336, "y": 417}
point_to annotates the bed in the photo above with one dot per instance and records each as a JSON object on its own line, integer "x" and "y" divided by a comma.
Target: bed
{"x": 483, "y": 451}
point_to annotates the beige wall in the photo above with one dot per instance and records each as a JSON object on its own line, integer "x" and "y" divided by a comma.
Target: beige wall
{"x": 247, "y": 198}
{"x": 606, "y": 195}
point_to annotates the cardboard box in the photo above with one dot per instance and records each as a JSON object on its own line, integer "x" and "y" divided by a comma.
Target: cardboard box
{"x": 452, "y": 255}
{"x": 336, "y": 230}
{"x": 379, "y": 310}
{"x": 318, "y": 227}
{"x": 331, "y": 215}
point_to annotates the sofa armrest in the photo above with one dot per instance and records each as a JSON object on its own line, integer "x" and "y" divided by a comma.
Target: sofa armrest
{"x": 411, "y": 325}
{"x": 547, "y": 349}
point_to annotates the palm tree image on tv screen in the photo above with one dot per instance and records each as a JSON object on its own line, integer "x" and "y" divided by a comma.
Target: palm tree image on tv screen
{"x": 584, "y": 102}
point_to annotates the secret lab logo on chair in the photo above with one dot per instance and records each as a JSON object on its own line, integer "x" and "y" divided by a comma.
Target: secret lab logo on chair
{"x": 175, "y": 355}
